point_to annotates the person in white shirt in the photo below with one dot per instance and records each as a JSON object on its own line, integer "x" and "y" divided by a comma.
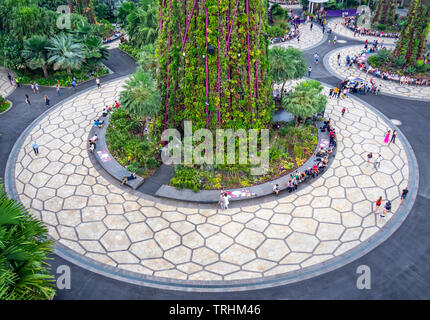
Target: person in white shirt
{"x": 378, "y": 162}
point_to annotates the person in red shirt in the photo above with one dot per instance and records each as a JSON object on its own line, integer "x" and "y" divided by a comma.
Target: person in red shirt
{"x": 343, "y": 111}
{"x": 116, "y": 104}
{"x": 378, "y": 203}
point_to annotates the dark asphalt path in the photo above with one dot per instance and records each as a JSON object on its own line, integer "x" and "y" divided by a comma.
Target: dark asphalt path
{"x": 400, "y": 267}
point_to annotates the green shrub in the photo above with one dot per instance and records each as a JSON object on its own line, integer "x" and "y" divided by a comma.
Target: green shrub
{"x": 399, "y": 61}
{"x": 411, "y": 70}
{"x": 374, "y": 61}
{"x": 4, "y": 104}
{"x": 381, "y": 27}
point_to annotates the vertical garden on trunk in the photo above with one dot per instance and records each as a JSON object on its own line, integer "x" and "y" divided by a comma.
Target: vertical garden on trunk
{"x": 412, "y": 42}
{"x": 385, "y": 12}
{"x": 213, "y": 67}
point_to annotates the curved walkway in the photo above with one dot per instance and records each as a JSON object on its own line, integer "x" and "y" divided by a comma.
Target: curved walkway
{"x": 145, "y": 240}
{"x": 336, "y": 25}
{"x": 400, "y": 266}
{"x": 388, "y": 87}
{"x": 309, "y": 39}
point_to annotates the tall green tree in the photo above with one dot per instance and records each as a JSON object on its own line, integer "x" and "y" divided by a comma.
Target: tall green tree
{"x": 36, "y": 53}
{"x": 142, "y": 23}
{"x": 94, "y": 51}
{"x": 24, "y": 249}
{"x": 305, "y": 100}
{"x": 126, "y": 8}
{"x": 141, "y": 97}
{"x": 286, "y": 64}
{"x": 65, "y": 53}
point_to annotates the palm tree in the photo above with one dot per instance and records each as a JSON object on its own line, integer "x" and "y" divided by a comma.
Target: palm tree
{"x": 23, "y": 250}
{"x": 142, "y": 25}
{"x": 36, "y": 54}
{"x": 94, "y": 50}
{"x": 64, "y": 53}
{"x": 286, "y": 64}
{"x": 141, "y": 97}
{"x": 306, "y": 100}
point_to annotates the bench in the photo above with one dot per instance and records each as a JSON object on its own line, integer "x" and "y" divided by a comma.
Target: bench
{"x": 107, "y": 161}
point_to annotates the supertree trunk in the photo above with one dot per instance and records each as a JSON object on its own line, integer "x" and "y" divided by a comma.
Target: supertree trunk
{"x": 413, "y": 37}
{"x": 220, "y": 49}
{"x": 385, "y": 12}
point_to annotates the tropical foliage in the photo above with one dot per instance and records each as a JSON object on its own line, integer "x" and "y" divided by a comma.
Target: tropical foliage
{"x": 4, "y": 104}
{"x": 385, "y": 12}
{"x": 215, "y": 79}
{"x": 24, "y": 249}
{"x": 32, "y": 44}
{"x": 286, "y": 64}
{"x": 141, "y": 97}
{"x": 142, "y": 24}
{"x": 305, "y": 100}
{"x": 131, "y": 145}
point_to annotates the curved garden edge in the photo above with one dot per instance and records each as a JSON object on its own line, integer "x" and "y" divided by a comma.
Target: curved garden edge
{"x": 10, "y": 107}
{"x": 260, "y": 190}
{"x": 211, "y": 196}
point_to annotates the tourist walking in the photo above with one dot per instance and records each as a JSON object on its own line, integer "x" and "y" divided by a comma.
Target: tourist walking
{"x": 378, "y": 162}
{"x": 369, "y": 156}
{"x": 74, "y": 84}
{"x": 404, "y": 194}
{"x": 32, "y": 88}
{"x": 316, "y": 57}
{"x": 393, "y": 137}
{"x": 47, "y": 101}
{"x": 36, "y": 87}
{"x": 311, "y": 25}
{"x": 387, "y": 137}
{"x": 57, "y": 88}
{"x": 9, "y": 77}
{"x": 35, "y": 148}
{"x": 17, "y": 82}
{"x": 98, "y": 82}
{"x": 387, "y": 208}
{"x": 27, "y": 99}
{"x": 309, "y": 71}
{"x": 343, "y": 111}
{"x": 378, "y": 204}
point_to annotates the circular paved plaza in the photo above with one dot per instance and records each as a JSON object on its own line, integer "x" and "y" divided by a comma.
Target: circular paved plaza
{"x": 388, "y": 86}
{"x": 138, "y": 238}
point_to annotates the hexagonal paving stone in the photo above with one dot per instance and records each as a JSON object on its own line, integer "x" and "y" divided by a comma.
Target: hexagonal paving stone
{"x": 273, "y": 249}
{"x": 146, "y": 249}
{"x": 167, "y": 239}
{"x": 218, "y": 242}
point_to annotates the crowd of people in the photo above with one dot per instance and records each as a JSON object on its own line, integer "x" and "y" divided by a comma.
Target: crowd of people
{"x": 360, "y": 61}
{"x": 349, "y": 22}
{"x": 321, "y": 162}
{"x": 293, "y": 33}
{"x": 98, "y": 123}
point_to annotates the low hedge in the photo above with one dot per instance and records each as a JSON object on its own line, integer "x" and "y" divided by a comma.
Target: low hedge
{"x": 81, "y": 75}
